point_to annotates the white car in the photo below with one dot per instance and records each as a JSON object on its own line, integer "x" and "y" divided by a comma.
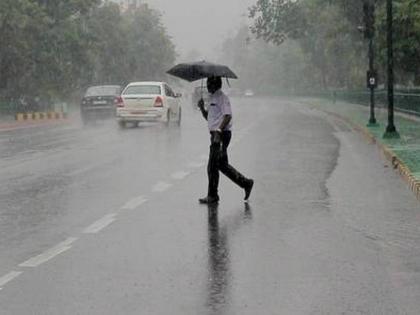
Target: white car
{"x": 148, "y": 102}
{"x": 249, "y": 93}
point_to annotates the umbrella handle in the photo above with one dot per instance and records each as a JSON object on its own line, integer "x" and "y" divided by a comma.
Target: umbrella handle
{"x": 202, "y": 86}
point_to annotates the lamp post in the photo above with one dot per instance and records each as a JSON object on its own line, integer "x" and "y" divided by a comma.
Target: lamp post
{"x": 372, "y": 77}
{"x": 369, "y": 30}
{"x": 391, "y": 131}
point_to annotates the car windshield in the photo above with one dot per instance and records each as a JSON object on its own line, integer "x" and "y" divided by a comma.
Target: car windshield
{"x": 102, "y": 90}
{"x": 143, "y": 89}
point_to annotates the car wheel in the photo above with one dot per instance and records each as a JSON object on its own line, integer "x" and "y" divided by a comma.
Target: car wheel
{"x": 168, "y": 117}
{"x": 121, "y": 124}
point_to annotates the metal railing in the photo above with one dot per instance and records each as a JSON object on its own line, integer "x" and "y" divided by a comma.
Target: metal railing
{"x": 7, "y": 107}
{"x": 403, "y": 101}
{"x": 14, "y": 106}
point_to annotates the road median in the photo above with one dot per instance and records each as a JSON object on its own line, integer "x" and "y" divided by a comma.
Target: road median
{"x": 31, "y": 120}
{"x": 40, "y": 116}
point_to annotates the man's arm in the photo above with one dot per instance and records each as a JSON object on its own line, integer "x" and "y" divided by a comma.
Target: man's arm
{"x": 227, "y": 114}
{"x": 226, "y": 120}
{"x": 202, "y": 109}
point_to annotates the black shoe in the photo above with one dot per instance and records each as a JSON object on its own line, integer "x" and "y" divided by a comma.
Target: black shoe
{"x": 208, "y": 200}
{"x": 248, "y": 189}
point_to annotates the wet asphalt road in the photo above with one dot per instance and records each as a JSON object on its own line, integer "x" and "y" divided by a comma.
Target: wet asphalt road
{"x": 99, "y": 220}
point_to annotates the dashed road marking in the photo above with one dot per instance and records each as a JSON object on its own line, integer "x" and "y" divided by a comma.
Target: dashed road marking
{"x": 100, "y": 224}
{"x": 9, "y": 277}
{"x": 180, "y": 175}
{"x": 161, "y": 186}
{"x": 134, "y": 203}
{"x": 49, "y": 254}
{"x": 81, "y": 171}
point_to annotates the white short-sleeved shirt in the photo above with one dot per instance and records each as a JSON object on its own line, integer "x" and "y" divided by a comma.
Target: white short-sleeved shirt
{"x": 219, "y": 106}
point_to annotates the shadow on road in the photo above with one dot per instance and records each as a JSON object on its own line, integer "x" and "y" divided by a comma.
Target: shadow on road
{"x": 219, "y": 271}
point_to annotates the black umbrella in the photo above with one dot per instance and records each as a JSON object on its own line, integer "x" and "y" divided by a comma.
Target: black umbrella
{"x": 193, "y": 71}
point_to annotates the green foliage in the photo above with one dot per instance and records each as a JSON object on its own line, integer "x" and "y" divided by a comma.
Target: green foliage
{"x": 129, "y": 47}
{"x": 57, "y": 48}
{"x": 150, "y": 50}
{"x": 277, "y": 20}
{"x": 406, "y": 25}
{"x": 332, "y": 46}
{"x": 20, "y": 23}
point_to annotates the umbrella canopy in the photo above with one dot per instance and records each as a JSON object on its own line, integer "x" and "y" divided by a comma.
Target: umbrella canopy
{"x": 193, "y": 71}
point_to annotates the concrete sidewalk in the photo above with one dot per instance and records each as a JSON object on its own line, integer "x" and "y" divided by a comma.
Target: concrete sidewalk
{"x": 404, "y": 153}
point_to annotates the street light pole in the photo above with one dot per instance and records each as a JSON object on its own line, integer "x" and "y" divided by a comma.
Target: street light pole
{"x": 372, "y": 119}
{"x": 369, "y": 29}
{"x": 391, "y": 131}
{"x": 372, "y": 73}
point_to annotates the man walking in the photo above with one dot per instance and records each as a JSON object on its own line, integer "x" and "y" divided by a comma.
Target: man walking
{"x": 219, "y": 118}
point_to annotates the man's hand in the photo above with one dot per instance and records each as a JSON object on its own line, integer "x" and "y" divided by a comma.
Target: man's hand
{"x": 203, "y": 111}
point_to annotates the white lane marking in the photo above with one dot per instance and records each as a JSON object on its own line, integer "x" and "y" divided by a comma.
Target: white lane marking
{"x": 134, "y": 203}
{"x": 81, "y": 171}
{"x": 180, "y": 175}
{"x": 9, "y": 277}
{"x": 100, "y": 224}
{"x": 49, "y": 254}
{"x": 161, "y": 186}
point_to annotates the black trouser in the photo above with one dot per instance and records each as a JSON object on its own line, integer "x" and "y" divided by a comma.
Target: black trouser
{"x": 218, "y": 161}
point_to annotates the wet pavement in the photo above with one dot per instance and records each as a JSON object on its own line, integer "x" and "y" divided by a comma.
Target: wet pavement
{"x": 99, "y": 220}
{"x": 406, "y": 148}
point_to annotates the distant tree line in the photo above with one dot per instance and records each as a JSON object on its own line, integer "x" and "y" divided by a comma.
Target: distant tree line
{"x": 316, "y": 44}
{"x": 55, "y": 48}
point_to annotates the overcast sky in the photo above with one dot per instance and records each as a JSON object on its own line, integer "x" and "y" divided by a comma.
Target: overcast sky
{"x": 201, "y": 24}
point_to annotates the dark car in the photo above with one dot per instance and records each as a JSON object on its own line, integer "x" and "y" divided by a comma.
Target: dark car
{"x": 99, "y": 102}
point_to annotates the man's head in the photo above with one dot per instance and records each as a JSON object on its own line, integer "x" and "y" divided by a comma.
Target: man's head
{"x": 214, "y": 84}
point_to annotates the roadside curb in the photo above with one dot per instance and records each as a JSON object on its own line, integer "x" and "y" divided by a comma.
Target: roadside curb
{"x": 34, "y": 116}
{"x": 396, "y": 162}
{"x": 25, "y": 124}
